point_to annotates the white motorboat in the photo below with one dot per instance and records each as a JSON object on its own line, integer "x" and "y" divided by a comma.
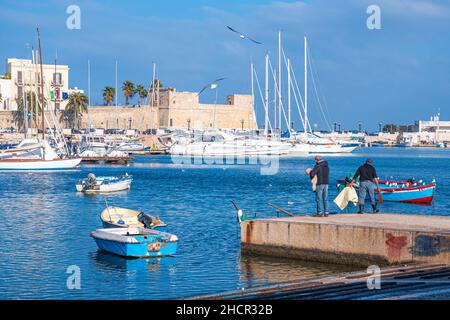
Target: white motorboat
{"x": 131, "y": 146}
{"x": 95, "y": 146}
{"x": 312, "y": 144}
{"x": 219, "y": 143}
{"x": 93, "y": 184}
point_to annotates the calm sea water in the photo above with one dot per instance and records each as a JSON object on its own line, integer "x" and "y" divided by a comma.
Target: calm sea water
{"x": 46, "y": 224}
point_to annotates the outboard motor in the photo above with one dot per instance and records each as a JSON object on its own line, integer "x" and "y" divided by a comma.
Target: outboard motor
{"x": 145, "y": 219}
{"x": 91, "y": 180}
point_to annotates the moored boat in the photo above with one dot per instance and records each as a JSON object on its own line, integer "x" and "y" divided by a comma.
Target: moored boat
{"x": 93, "y": 184}
{"x": 115, "y": 217}
{"x": 136, "y": 242}
{"x": 35, "y": 154}
{"x": 409, "y": 191}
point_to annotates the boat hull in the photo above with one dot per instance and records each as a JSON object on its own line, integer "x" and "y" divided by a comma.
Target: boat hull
{"x": 404, "y": 192}
{"x": 410, "y": 195}
{"x": 26, "y": 164}
{"x": 107, "y": 188}
{"x": 130, "y": 244}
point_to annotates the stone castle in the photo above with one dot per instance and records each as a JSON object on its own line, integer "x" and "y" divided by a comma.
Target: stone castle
{"x": 172, "y": 109}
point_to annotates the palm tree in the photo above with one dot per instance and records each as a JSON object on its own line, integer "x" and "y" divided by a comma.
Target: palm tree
{"x": 141, "y": 92}
{"x": 73, "y": 112}
{"x": 157, "y": 84}
{"x": 18, "y": 116}
{"x": 128, "y": 90}
{"x": 108, "y": 95}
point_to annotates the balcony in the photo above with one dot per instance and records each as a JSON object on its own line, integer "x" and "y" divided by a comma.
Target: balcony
{"x": 57, "y": 83}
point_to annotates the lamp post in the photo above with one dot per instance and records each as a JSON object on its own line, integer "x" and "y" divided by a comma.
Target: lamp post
{"x": 242, "y": 124}
{"x": 189, "y": 124}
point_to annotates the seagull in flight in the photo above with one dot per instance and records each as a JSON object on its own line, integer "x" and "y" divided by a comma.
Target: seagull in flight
{"x": 211, "y": 85}
{"x": 243, "y": 36}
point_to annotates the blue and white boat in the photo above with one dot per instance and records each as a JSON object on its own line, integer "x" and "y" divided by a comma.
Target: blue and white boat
{"x": 136, "y": 242}
{"x": 115, "y": 217}
{"x": 93, "y": 184}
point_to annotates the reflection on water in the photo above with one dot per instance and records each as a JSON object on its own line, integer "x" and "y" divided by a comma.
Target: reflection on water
{"x": 262, "y": 270}
{"x": 46, "y": 224}
{"x": 115, "y": 263}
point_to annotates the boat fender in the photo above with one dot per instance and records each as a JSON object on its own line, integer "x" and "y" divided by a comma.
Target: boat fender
{"x": 120, "y": 222}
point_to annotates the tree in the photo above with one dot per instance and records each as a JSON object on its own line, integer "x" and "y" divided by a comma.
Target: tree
{"x": 18, "y": 115}
{"x": 109, "y": 94}
{"x": 7, "y": 75}
{"x": 142, "y": 93}
{"x": 72, "y": 114}
{"x": 128, "y": 90}
{"x": 157, "y": 84}
{"x": 391, "y": 128}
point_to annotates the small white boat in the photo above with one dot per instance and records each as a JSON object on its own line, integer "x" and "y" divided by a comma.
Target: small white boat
{"x": 93, "y": 184}
{"x": 115, "y": 217}
{"x": 132, "y": 146}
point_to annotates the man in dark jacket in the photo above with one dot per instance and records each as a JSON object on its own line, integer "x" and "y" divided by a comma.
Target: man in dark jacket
{"x": 322, "y": 171}
{"x": 367, "y": 177}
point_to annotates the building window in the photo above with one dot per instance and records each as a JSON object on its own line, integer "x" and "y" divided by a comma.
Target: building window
{"x": 57, "y": 78}
{"x": 19, "y": 77}
{"x": 170, "y": 122}
{"x": 57, "y": 106}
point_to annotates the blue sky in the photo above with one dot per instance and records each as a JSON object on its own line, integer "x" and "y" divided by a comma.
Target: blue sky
{"x": 398, "y": 74}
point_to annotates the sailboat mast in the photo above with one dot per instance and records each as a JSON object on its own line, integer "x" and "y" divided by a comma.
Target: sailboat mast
{"x": 42, "y": 95}
{"x": 266, "y": 98}
{"x": 279, "y": 79}
{"x": 289, "y": 93}
{"x": 305, "y": 125}
{"x": 115, "y": 91}
{"x": 89, "y": 94}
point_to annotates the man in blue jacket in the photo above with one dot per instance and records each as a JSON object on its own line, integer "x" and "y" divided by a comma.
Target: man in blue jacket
{"x": 367, "y": 177}
{"x": 322, "y": 171}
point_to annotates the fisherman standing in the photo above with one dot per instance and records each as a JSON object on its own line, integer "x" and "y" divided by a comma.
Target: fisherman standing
{"x": 367, "y": 177}
{"x": 322, "y": 171}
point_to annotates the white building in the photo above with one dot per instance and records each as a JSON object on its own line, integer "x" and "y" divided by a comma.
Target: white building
{"x": 429, "y": 131}
{"x": 433, "y": 125}
{"x": 23, "y": 78}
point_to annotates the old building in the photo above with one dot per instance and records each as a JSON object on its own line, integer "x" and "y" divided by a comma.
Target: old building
{"x": 176, "y": 110}
{"x": 22, "y": 75}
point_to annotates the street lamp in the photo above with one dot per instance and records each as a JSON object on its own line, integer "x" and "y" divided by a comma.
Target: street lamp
{"x": 189, "y": 124}
{"x": 242, "y": 124}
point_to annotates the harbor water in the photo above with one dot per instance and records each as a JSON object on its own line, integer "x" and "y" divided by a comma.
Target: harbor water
{"x": 46, "y": 224}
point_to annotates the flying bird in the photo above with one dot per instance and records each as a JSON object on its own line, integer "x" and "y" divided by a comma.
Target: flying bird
{"x": 243, "y": 36}
{"x": 211, "y": 85}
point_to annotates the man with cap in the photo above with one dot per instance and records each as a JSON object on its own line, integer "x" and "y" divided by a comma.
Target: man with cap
{"x": 367, "y": 177}
{"x": 322, "y": 171}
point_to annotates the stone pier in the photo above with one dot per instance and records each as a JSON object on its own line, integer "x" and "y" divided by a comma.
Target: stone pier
{"x": 360, "y": 240}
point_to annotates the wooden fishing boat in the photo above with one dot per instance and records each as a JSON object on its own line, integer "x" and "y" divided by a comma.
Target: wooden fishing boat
{"x": 93, "y": 184}
{"x": 409, "y": 191}
{"x": 115, "y": 217}
{"x": 136, "y": 242}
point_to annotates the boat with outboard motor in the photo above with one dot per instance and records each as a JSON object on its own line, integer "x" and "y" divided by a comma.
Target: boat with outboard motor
{"x": 115, "y": 217}
{"x": 105, "y": 184}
